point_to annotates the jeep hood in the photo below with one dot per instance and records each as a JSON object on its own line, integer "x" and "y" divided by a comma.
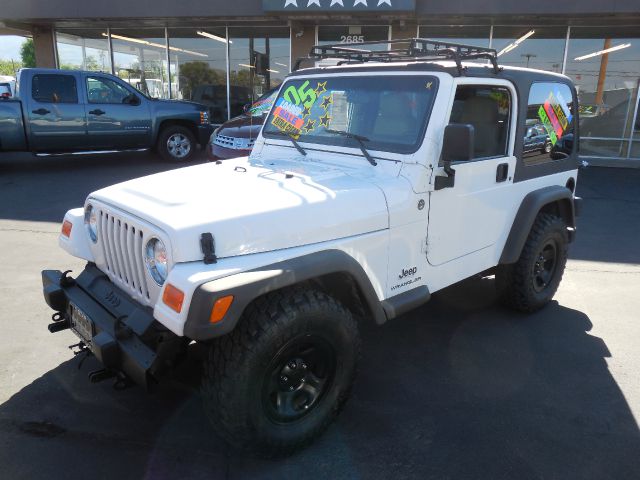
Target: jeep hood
{"x": 251, "y": 208}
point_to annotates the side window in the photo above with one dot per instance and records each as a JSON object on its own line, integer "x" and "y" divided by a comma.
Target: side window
{"x": 550, "y": 111}
{"x": 105, "y": 90}
{"x": 488, "y": 109}
{"x": 54, "y": 88}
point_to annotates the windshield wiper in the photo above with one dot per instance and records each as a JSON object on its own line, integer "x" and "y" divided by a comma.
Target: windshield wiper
{"x": 358, "y": 138}
{"x": 290, "y": 137}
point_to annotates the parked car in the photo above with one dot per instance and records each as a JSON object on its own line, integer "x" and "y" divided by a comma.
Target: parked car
{"x": 536, "y": 139}
{"x": 236, "y": 137}
{"x": 60, "y": 111}
{"x": 5, "y": 90}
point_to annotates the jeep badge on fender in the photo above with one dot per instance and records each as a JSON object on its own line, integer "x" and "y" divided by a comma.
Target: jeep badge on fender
{"x": 269, "y": 261}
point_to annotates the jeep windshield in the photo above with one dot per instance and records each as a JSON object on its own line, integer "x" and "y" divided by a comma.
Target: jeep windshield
{"x": 390, "y": 111}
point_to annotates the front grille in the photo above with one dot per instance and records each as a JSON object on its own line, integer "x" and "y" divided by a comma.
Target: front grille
{"x": 122, "y": 246}
{"x": 234, "y": 143}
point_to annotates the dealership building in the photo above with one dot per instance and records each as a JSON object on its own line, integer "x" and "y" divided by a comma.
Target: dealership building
{"x": 226, "y": 54}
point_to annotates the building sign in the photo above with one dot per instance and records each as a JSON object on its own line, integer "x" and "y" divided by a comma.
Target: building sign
{"x": 338, "y": 6}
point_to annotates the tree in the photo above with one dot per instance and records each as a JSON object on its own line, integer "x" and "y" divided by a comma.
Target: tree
{"x": 9, "y": 67}
{"x": 28, "y": 53}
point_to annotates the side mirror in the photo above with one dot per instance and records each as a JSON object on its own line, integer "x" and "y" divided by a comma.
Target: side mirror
{"x": 246, "y": 107}
{"x": 457, "y": 146}
{"x": 132, "y": 100}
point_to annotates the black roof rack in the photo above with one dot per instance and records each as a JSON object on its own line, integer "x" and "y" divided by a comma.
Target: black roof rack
{"x": 403, "y": 50}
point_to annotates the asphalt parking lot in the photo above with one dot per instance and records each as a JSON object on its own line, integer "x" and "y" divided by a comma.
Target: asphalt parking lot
{"x": 460, "y": 388}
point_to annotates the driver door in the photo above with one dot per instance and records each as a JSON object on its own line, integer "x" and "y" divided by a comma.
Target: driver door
{"x": 112, "y": 121}
{"x": 467, "y": 219}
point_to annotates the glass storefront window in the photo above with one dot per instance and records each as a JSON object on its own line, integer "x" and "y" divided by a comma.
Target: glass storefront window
{"x": 329, "y": 34}
{"x": 477, "y": 36}
{"x": 140, "y": 58}
{"x": 83, "y": 50}
{"x": 530, "y": 46}
{"x": 259, "y": 59}
{"x": 199, "y": 68}
{"x": 604, "y": 63}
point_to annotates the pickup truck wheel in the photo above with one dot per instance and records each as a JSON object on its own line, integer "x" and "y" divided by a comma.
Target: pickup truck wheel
{"x": 278, "y": 380}
{"x": 547, "y": 147}
{"x": 530, "y": 283}
{"x": 176, "y": 144}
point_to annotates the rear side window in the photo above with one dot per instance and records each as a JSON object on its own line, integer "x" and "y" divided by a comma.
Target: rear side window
{"x": 488, "y": 109}
{"x": 52, "y": 88}
{"x": 550, "y": 115}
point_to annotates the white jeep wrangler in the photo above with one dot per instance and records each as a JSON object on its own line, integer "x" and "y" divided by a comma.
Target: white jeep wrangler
{"x": 373, "y": 184}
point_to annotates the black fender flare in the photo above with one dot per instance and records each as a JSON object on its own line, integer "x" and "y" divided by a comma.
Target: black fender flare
{"x": 247, "y": 286}
{"x": 531, "y": 205}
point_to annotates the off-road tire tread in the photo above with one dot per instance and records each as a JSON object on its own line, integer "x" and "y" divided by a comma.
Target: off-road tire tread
{"x": 514, "y": 282}
{"x": 263, "y": 318}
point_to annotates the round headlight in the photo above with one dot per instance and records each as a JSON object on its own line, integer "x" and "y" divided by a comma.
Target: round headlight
{"x": 91, "y": 221}
{"x": 155, "y": 256}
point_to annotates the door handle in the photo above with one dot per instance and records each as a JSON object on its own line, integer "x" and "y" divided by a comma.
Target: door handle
{"x": 97, "y": 112}
{"x": 502, "y": 172}
{"x": 41, "y": 111}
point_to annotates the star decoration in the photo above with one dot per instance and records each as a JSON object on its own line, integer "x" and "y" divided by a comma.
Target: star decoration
{"x": 313, "y": 2}
{"x": 384, "y": 2}
{"x": 326, "y": 101}
{"x": 306, "y": 111}
{"x": 321, "y": 88}
{"x": 324, "y": 120}
{"x": 336, "y": 2}
{"x": 311, "y": 124}
{"x": 290, "y": 2}
{"x": 360, "y": 2}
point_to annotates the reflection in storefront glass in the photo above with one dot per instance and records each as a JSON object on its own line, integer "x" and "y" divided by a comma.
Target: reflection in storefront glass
{"x": 139, "y": 57}
{"x": 198, "y": 68}
{"x": 530, "y": 46}
{"x": 477, "y": 36}
{"x": 83, "y": 50}
{"x": 604, "y": 63}
{"x": 258, "y": 61}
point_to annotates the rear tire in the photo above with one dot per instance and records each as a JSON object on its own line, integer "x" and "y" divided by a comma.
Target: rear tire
{"x": 530, "y": 283}
{"x": 278, "y": 380}
{"x": 176, "y": 144}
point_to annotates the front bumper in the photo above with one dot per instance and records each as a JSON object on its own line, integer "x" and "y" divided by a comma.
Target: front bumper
{"x": 123, "y": 334}
{"x": 216, "y": 152}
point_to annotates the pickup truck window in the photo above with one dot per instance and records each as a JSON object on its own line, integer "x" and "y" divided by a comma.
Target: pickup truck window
{"x": 54, "y": 88}
{"x": 105, "y": 90}
{"x": 389, "y": 113}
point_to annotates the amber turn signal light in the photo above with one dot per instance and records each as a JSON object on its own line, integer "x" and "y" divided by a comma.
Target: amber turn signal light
{"x": 173, "y": 297}
{"x": 66, "y": 228}
{"x": 220, "y": 308}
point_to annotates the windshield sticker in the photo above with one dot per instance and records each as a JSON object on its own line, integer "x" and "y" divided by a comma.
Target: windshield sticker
{"x": 564, "y": 105}
{"x": 301, "y": 96}
{"x": 311, "y": 124}
{"x": 321, "y": 88}
{"x": 326, "y": 101}
{"x": 547, "y": 125}
{"x": 325, "y": 120}
{"x": 287, "y": 117}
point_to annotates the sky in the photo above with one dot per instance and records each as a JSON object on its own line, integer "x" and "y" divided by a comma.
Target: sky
{"x": 10, "y": 47}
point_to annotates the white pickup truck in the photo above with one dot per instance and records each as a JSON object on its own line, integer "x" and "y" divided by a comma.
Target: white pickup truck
{"x": 373, "y": 184}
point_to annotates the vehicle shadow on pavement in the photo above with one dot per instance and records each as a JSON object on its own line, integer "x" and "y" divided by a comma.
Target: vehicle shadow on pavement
{"x": 43, "y": 189}
{"x": 459, "y": 388}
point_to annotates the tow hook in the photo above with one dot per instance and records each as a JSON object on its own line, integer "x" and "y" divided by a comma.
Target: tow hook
{"x": 67, "y": 281}
{"x": 59, "y": 323}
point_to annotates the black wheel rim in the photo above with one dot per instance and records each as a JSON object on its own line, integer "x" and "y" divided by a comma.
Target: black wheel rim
{"x": 298, "y": 377}
{"x": 544, "y": 267}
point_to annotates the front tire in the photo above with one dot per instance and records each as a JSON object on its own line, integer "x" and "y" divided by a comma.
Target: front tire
{"x": 278, "y": 380}
{"x": 176, "y": 144}
{"x": 531, "y": 282}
